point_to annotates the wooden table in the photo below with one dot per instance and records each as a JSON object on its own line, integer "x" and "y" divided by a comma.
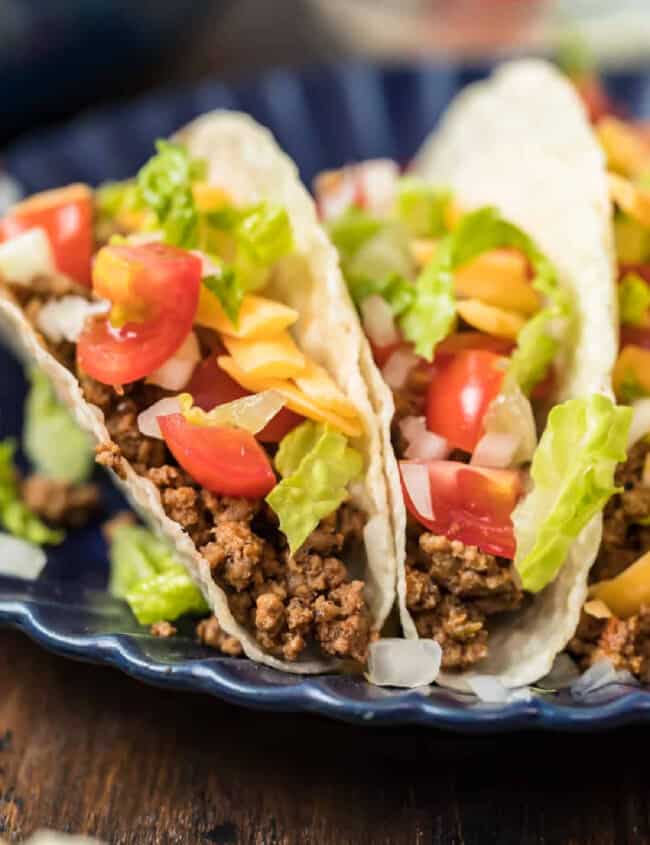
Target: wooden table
{"x": 86, "y": 749}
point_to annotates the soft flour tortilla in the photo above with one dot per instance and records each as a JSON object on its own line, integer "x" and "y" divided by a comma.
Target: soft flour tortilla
{"x": 245, "y": 160}
{"x": 521, "y": 141}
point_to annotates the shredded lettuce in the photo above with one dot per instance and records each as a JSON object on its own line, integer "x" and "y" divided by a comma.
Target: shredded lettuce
{"x": 573, "y": 474}
{"x": 633, "y": 299}
{"x": 422, "y": 208}
{"x": 164, "y": 186}
{"x": 146, "y": 574}
{"x": 316, "y": 465}
{"x": 15, "y": 516}
{"x": 114, "y": 198}
{"x": 53, "y": 442}
{"x": 259, "y": 235}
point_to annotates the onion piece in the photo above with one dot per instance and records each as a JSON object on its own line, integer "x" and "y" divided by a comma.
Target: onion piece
{"x": 20, "y": 559}
{"x": 335, "y": 191}
{"x": 403, "y": 663}
{"x": 598, "y": 676}
{"x": 495, "y": 449}
{"x": 489, "y": 689}
{"x": 396, "y": 370}
{"x": 423, "y": 444}
{"x": 64, "y": 319}
{"x": 511, "y": 413}
{"x": 416, "y": 480}
{"x": 250, "y": 413}
{"x": 26, "y": 256}
{"x": 148, "y": 419}
{"x": 377, "y": 180}
{"x": 378, "y": 321}
{"x": 640, "y": 425}
{"x": 175, "y": 373}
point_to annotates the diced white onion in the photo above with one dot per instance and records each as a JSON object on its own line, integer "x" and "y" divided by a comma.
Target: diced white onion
{"x": 602, "y": 674}
{"x": 378, "y": 183}
{"x": 640, "y": 425}
{"x": 423, "y": 444}
{"x": 148, "y": 419}
{"x": 177, "y": 370}
{"x": 403, "y": 663}
{"x": 491, "y": 690}
{"x": 563, "y": 673}
{"x": 511, "y": 413}
{"x": 64, "y": 319}
{"x": 335, "y": 191}
{"x": 26, "y": 256}
{"x": 378, "y": 321}
{"x": 250, "y": 413}
{"x": 418, "y": 487}
{"x": 395, "y": 371}
{"x": 20, "y": 559}
{"x": 495, "y": 449}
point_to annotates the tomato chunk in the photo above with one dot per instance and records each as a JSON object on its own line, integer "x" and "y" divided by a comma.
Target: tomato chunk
{"x": 211, "y": 386}
{"x": 66, "y": 215}
{"x": 460, "y": 391}
{"x": 635, "y": 336}
{"x": 224, "y": 460}
{"x": 160, "y": 284}
{"x": 471, "y": 504}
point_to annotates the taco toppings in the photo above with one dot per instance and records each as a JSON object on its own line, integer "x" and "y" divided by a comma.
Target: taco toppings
{"x": 157, "y": 294}
{"x": 469, "y": 324}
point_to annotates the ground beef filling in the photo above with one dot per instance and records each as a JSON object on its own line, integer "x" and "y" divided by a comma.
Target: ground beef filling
{"x": 60, "y": 503}
{"x": 625, "y": 538}
{"x": 625, "y": 642}
{"x": 451, "y": 589}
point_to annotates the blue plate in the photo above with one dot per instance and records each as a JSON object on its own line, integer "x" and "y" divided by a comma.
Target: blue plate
{"x": 322, "y": 118}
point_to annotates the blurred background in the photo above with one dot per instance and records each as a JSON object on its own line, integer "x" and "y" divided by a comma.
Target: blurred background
{"x": 60, "y": 57}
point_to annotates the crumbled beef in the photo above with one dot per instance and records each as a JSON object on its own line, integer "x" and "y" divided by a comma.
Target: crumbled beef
{"x": 288, "y": 602}
{"x": 60, "y": 503}
{"x": 451, "y": 589}
{"x": 210, "y": 633}
{"x": 625, "y": 538}
{"x": 163, "y": 629}
{"x": 625, "y": 642}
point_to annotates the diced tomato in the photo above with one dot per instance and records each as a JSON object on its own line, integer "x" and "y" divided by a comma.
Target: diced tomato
{"x": 66, "y": 215}
{"x": 642, "y": 270}
{"x": 635, "y": 336}
{"x": 228, "y": 461}
{"x": 460, "y": 391}
{"x": 545, "y": 388}
{"x": 596, "y": 100}
{"x": 471, "y": 504}
{"x": 459, "y": 341}
{"x": 381, "y": 354}
{"x": 211, "y": 386}
{"x": 163, "y": 282}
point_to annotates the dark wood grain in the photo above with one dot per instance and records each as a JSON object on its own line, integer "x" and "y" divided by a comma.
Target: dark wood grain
{"x": 86, "y": 749}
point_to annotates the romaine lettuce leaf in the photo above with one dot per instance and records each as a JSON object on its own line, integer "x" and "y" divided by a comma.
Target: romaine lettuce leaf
{"x": 146, "y": 574}
{"x": 316, "y": 465}
{"x": 15, "y": 516}
{"x": 421, "y": 208}
{"x": 53, "y": 442}
{"x": 573, "y": 475}
{"x": 633, "y": 299}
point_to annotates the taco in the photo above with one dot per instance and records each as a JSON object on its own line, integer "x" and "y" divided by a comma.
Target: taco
{"x": 483, "y": 286}
{"x": 195, "y": 322}
{"x": 615, "y": 623}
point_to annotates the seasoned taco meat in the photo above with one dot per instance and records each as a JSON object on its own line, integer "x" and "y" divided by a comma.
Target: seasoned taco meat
{"x": 625, "y": 642}
{"x": 625, "y": 537}
{"x": 451, "y": 589}
{"x": 210, "y": 633}
{"x": 60, "y": 503}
